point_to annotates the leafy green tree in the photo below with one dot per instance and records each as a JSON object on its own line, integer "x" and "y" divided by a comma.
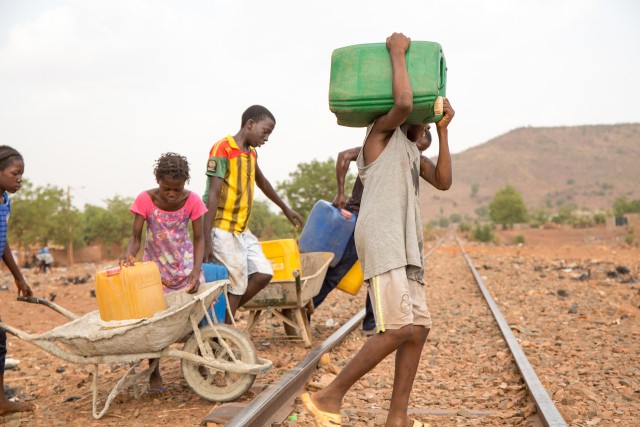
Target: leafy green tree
{"x": 39, "y": 215}
{"x": 311, "y": 182}
{"x": 507, "y": 207}
{"x": 266, "y": 225}
{"x": 565, "y": 214}
{"x": 539, "y": 217}
{"x": 119, "y": 208}
{"x": 106, "y": 225}
{"x": 622, "y": 206}
{"x": 110, "y": 225}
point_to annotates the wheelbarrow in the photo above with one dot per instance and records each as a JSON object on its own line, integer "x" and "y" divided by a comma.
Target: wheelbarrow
{"x": 219, "y": 362}
{"x": 291, "y": 300}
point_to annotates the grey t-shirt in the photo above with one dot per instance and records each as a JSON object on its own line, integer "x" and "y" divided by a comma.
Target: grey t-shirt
{"x": 389, "y": 228}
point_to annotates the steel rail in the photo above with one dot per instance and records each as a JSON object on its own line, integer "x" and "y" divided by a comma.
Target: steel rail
{"x": 263, "y": 410}
{"x": 547, "y": 410}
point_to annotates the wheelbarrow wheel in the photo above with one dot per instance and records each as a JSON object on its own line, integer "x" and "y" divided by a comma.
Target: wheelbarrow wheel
{"x": 216, "y": 385}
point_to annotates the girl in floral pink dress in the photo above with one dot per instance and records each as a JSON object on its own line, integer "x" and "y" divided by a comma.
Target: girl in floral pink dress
{"x": 167, "y": 211}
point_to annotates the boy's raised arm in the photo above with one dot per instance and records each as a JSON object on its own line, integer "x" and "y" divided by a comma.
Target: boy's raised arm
{"x": 342, "y": 167}
{"x": 385, "y": 125}
{"x": 440, "y": 175}
{"x": 266, "y": 187}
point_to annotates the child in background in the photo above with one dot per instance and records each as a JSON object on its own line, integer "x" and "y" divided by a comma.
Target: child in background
{"x": 167, "y": 211}
{"x": 11, "y": 170}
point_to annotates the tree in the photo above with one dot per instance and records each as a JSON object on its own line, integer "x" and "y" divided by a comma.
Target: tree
{"x": 39, "y": 215}
{"x": 507, "y": 207}
{"x": 268, "y": 226}
{"x": 110, "y": 225}
{"x": 311, "y": 182}
{"x": 622, "y": 206}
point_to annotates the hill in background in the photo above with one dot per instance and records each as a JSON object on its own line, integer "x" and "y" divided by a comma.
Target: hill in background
{"x": 585, "y": 166}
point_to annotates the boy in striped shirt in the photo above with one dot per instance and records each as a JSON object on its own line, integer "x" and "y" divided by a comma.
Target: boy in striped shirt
{"x": 232, "y": 170}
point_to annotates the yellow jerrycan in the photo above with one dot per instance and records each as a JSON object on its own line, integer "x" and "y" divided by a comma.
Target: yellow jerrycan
{"x": 284, "y": 257}
{"x": 133, "y": 292}
{"x": 353, "y": 280}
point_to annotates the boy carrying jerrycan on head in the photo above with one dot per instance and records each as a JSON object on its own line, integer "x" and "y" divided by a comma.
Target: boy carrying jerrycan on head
{"x": 389, "y": 243}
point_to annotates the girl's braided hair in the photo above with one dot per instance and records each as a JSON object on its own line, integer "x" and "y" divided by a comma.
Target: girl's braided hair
{"x": 8, "y": 155}
{"x": 172, "y": 165}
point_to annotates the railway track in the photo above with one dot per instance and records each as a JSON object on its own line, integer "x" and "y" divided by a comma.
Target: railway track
{"x": 472, "y": 366}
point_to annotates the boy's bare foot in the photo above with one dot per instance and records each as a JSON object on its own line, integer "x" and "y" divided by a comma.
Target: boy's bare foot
{"x": 9, "y": 407}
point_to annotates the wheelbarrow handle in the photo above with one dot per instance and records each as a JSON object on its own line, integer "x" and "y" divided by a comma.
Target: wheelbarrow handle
{"x": 296, "y": 275}
{"x": 34, "y": 300}
{"x": 31, "y": 299}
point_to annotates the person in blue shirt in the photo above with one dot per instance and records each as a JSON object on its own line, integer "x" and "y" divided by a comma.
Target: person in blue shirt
{"x": 11, "y": 170}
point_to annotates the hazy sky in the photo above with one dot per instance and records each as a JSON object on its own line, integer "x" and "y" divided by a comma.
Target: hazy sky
{"x": 92, "y": 92}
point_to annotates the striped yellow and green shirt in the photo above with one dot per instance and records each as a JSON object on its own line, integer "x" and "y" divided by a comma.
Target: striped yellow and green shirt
{"x": 238, "y": 172}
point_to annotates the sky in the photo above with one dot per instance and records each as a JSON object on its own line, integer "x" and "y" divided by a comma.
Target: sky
{"x": 92, "y": 92}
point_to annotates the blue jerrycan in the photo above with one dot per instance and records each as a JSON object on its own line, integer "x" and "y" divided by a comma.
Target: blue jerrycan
{"x": 328, "y": 229}
{"x": 213, "y": 272}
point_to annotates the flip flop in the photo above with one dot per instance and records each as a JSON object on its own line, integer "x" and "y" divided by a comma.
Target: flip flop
{"x": 157, "y": 391}
{"x": 323, "y": 419}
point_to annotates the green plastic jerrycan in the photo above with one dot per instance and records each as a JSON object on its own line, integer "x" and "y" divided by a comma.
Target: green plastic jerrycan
{"x": 360, "y": 85}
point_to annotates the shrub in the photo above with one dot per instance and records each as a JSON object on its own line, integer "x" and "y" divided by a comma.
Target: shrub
{"x": 484, "y": 233}
{"x": 429, "y": 233}
{"x": 599, "y": 218}
{"x": 518, "y": 239}
{"x": 464, "y": 227}
{"x": 507, "y": 207}
{"x": 581, "y": 221}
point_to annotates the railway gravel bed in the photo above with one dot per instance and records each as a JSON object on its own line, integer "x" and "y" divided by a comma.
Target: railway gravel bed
{"x": 580, "y": 334}
{"x": 466, "y": 375}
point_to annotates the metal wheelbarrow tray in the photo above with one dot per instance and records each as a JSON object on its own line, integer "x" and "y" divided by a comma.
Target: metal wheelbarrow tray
{"x": 219, "y": 362}
{"x": 290, "y": 300}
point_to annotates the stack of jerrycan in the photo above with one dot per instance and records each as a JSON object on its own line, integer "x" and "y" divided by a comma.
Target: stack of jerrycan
{"x": 214, "y": 272}
{"x": 361, "y": 76}
{"x": 130, "y": 292}
{"x": 328, "y": 229}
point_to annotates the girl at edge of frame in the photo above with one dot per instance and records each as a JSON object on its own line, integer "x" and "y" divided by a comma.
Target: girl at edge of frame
{"x": 11, "y": 170}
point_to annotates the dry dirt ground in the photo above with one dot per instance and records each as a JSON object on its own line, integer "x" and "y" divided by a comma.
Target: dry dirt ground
{"x": 596, "y": 338}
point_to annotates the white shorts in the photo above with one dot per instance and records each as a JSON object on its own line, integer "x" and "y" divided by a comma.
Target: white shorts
{"x": 398, "y": 301}
{"x": 242, "y": 255}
